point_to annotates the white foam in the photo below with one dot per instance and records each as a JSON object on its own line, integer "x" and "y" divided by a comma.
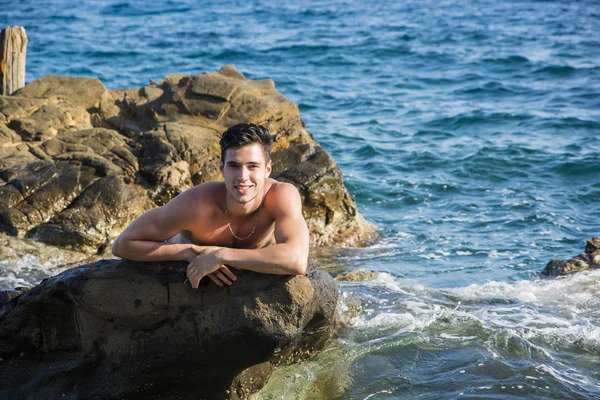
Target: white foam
{"x": 579, "y": 292}
{"x": 431, "y": 256}
{"x": 27, "y": 271}
{"x": 376, "y": 393}
{"x": 381, "y": 321}
{"x": 537, "y": 315}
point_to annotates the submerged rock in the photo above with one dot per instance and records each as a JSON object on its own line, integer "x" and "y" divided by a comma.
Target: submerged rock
{"x": 78, "y": 162}
{"x": 360, "y": 275}
{"x": 589, "y": 259}
{"x": 121, "y": 329}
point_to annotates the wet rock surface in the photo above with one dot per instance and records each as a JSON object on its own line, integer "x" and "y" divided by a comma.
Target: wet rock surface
{"x": 121, "y": 329}
{"x": 360, "y": 275}
{"x": 79, "y": 162}
{"x": 590, "y": 258}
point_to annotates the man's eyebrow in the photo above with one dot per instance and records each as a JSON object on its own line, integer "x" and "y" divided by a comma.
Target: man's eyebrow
{"x": 248, "y": 163}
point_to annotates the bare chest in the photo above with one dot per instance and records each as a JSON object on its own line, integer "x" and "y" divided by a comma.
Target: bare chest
{"x": 249, "y": 233}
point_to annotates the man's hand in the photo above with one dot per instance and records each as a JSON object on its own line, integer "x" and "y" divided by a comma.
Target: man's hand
{"x": 207, "y": 263}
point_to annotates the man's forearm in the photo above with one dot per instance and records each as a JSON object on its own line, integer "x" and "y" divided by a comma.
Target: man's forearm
{"x": 147, "y": 250}
{"x": 276, "y": 259}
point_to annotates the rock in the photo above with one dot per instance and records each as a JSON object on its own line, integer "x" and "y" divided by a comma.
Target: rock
{"x": 595, "y": 259}
{"x": 88, "y": 223}
{"x": 565, "y": 267}
{"x": 361, "y": 275}
{"x": 121, "y": 329}
{"x": 328, "y": 208}
{"x": 7, "y": 295}
{"x": 62, "y": 139}
{"x": 587, "y": 260}
{"x": 592, "y": 245}
{"x": 79, "y": 91}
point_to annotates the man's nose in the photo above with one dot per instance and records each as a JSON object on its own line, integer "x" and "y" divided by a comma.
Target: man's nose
{"x": 244, "y": 173}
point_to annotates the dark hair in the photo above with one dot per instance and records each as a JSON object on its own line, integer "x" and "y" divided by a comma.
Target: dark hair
{"x": 243, "y": 134}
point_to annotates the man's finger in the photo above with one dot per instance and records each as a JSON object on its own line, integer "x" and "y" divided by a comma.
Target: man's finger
{"x": 191, "y": 274}
{"x": 227, "y": 272}
{"x": 196, "y": 282}
{"x": 215, "y": 280}
{"x": 222, "y": 277}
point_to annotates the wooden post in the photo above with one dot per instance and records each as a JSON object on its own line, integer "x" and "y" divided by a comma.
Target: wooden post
{"x": 13, "y": 46}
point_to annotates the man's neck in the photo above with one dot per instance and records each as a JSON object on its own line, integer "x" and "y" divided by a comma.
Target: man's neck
{"x": 239, "y": 210}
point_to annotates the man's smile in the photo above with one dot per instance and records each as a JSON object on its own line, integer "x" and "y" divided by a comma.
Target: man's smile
{"x": 242, "y": 189}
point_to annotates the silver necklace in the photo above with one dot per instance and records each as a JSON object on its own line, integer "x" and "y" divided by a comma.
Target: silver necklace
{"x": 255, "y": 222}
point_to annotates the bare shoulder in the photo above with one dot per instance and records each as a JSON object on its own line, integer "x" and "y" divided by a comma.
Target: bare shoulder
{"x": 199, "y": 197}
{"x": 283, "y": 197}
{"x": 282, "y": 190}
{"x": 206, "y": 190}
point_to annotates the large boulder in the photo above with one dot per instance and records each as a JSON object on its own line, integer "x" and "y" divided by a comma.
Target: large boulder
{"x": 590, "y": 258}
{"x": 78, "y": 162}
{"x": 121, "y": 329}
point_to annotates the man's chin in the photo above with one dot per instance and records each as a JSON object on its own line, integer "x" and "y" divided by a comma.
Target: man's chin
{"x": 245, "y": 197}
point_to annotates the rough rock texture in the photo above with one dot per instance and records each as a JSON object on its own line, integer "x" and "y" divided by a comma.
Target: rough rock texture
{"x": 361, "y": 275}
{"x": 78, "y": 162}
{"x": 589, "y": 259}
{"x": 120, "y": 329}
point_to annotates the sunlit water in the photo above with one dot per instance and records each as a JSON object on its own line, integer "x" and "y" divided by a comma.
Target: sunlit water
{"x": 467, "y": 131}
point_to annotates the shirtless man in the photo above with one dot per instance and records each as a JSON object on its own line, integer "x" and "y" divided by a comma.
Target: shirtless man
{"x": 249, "y": 221}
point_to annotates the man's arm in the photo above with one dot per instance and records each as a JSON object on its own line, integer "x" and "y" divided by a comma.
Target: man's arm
{"x": 144, "y": 239}
{"x": 289, "y": 256}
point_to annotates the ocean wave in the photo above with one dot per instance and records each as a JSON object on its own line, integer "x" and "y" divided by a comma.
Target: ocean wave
{"x": 586, "y": 167}
{"x": 532, "y": 318}
{"x": 129, "y": 9}
{"x": 570, "y": 123}
{"x": 556, "y": 70}
{"x": 509, "y": 60}
{"x": 477, "y": 119}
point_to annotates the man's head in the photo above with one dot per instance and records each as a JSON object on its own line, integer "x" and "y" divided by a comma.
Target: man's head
{"x": 243, "y": 134}
{"x": 245, "y": 160}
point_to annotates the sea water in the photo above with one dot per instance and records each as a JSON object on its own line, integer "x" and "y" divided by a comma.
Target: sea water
{"x": 468, "y": 132}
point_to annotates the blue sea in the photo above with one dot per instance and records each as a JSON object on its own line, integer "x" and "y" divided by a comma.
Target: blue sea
{"x": 467, "y": 131}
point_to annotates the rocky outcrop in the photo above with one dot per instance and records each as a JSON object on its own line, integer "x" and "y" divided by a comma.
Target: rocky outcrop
{"x": 590, "y": 258}
{"x": 121, "y": 329}
{"x": 78, "y": 162}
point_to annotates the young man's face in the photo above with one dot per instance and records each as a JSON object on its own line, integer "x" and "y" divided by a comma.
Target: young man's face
{"x": 245, "y": 170}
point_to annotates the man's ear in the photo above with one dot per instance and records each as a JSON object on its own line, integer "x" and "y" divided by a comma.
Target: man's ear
{"x": 221, "y": 166}
{"x": 269, "y": 168}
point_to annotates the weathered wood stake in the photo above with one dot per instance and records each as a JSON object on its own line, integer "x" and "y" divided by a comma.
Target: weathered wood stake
{"x": 13, "y": 46}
